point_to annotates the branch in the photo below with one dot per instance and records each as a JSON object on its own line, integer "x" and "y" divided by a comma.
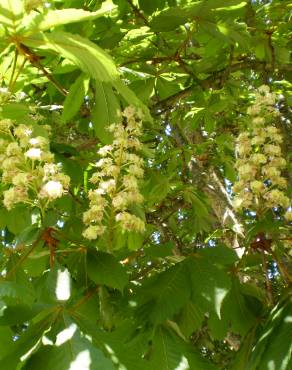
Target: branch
{"x": 214, "y": 80}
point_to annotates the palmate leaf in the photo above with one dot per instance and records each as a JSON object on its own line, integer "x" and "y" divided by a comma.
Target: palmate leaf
{"x": 273, "y": 350}
{"x": 90, "y": 58}
{"x": 165, "y": 294}
{"x": 36, "y": 21}
{"x": 104, "y": 268}
{"x": 75, "y": 353}
{"x": 105, "y": 110}
{"x": 6, "y": 341}
{"x": 190, "y": 319}
{"x": 209, "y": 283}
{"x": 127, "y": 354}
{"x": 75, "y": 97}
{"x": 11, "y": 12}
{"x": 171, "y": 353}
{"x": 22, "y": 345}
{"x": 236, "y": 311}
{"x": 17, "y": 292}
{"x": 131, "y": 98}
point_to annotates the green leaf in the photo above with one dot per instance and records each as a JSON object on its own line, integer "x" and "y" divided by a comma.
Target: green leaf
{"x": 14, "y": 111}
{"x": 240, "y": 360}
{"x": 219, "y": 255}
{"x": 75, "y": 97}
{"x": 6, "y": 341}
{"x": 104, "y": 268}
{"x": 134, "y": 240}
{"x": 127, "y": 354}
{"x": 169, "y": 19}
{"x": 156, "y": 187}
{"x": 165, "y": 294}
{"x": 28, "y": 235}
{"x": 171, "y": 353}
{"x": 190, "y": 319}
{"x": 54, "y": 285}
{"x": 273, "y": 350}
{"x": 27, "y": 340}
{"x": 11, "y": 12}
{"x": 236, "y": 312}
{"x": 18, "y": 313}
{"x": 132, "y": 99}
{"x": 11, "y": 290}
{"x": 90, "y": 58}
{"x": 105, "y": 111}
{"x": 143, "y": 88}
{"x": 150, "y": 6}
{"x": 36, "y": 21}
{"x": 18, "y": 219}
{"x": 76, "y": 352}
{"x": 159, "y": 250}
{"x": 209, "y": 283}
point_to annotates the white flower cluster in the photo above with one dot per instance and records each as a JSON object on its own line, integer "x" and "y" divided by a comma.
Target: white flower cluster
{"x": 28, "y": 166}
{"x": 117, "y": 179}
{"x": 259, "y": 158}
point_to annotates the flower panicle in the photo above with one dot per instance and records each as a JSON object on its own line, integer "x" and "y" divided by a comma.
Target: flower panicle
{"x": 118, "y": 174}
{"x": 259, "y": 158}
{"x": 28, "y": 167}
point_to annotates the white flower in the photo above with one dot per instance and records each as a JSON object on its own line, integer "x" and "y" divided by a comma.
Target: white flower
{"x": 258, "y": 158}
{"x": 20, "y": 179}
{"x": 277, "y": 138}
{"x": 52, "y": 190}
{"x": 104, "y": 162}
{"x": 281, "y": 182}
{"x": 105, "y": 150}
{"x": 93, "y": 231}
{"x": 238, "y": 186}
{"x": 288, "y": 215}
{"x": 257, "y": 140}
{"x": 243, "y": 137}
{"x": 258, "y": 121}
{"x": 244, "y": 148}
{"x": 276, "y": 197}
{"x": 63, "y": 179}
{"x": 50, "y": 169}
{"x": 120, "y": 201}
{"x": 246, "y": 171}
{"x": 264, "y": 89}
{"x": 38, "y": 141}
{"x": 271, "y": 130}
{"x": 272, "y": 149}
{"x": 22, "y": 131}
{"x": 129, "y": 112}
{"x": 130, "y": 222}
{"x": 33, "y": 154}
{"x": 10, "y": 163}
{"x": 95, "y": 197}
{"x": 130, "y": 182}
{"x": 13, "y": 149}
{"x": 47, "y": 157}
{"x": 136, "y": 171}
{"x": 14, "y": 195}
{"x": 271, "y": 172}
{"x": 257, "y": 186}
{"x": 278, "y": 162}
{"x": 108, "y": 186}
{"x": 95, "y": 213}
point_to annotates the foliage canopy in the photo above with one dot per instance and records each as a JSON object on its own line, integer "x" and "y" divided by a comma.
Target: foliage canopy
{"x": 144, "y": 157}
